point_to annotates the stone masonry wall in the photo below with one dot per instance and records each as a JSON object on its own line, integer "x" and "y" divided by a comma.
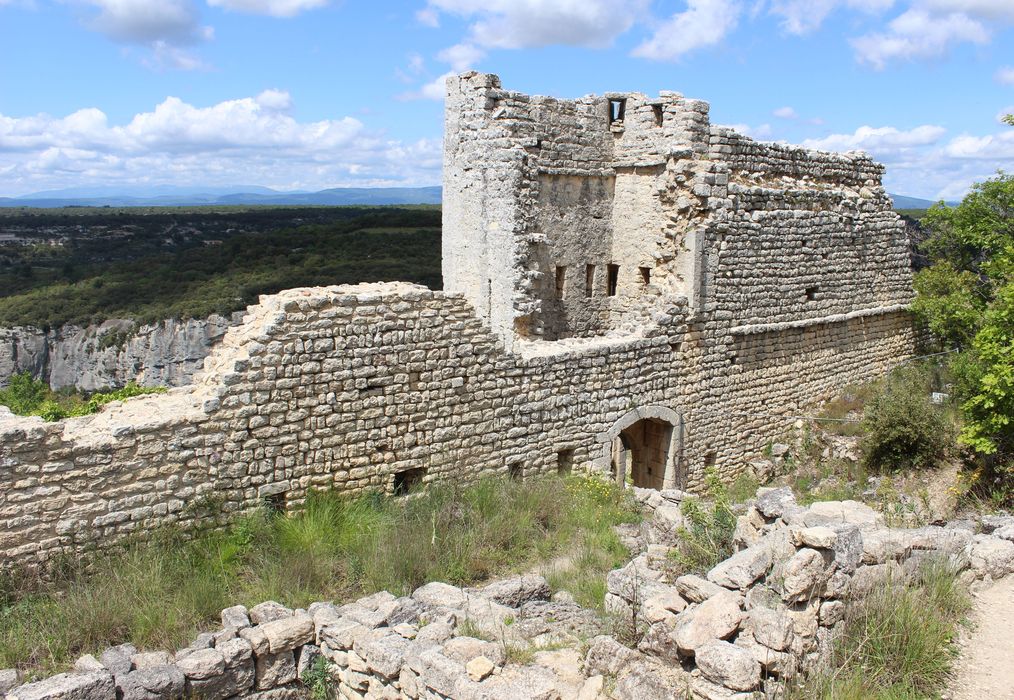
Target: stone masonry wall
{"x": 366, "y": 387}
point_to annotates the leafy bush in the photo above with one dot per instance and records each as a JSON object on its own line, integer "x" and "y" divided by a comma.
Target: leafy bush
{"x": 903, "y": 430}
{"x": 33, "y": 397}
{"x": 23, "y": 394}
{"x": 706, "y": 538}
{"x": 967, "y": 299}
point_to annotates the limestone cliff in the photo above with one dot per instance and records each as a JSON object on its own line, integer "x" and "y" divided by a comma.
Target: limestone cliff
{"x": 112, "y": 353}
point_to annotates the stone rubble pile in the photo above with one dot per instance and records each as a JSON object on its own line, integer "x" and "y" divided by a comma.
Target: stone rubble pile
{"x": 772, "y": 609}
{"x": 766, "y": 614}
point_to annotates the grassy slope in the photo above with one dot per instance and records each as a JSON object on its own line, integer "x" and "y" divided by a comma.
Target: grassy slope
{"x": 158, "y": 595}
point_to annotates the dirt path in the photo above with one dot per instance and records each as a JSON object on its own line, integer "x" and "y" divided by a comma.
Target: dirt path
{"x": 985, "y": 669}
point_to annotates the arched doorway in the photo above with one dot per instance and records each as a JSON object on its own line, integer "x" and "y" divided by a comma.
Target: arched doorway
{"x": 644, "y": 448}
{"x": 641, "y": 452}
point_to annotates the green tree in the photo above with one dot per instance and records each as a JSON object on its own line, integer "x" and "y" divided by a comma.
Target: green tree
{"x": 967, "y": 299}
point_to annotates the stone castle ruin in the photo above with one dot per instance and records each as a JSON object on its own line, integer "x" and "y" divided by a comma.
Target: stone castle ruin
{"x": 628, "y": 290}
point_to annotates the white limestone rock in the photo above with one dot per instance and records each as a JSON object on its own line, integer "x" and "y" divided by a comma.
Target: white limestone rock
{"x": 68, "y": 686}
{"x": 728, "y": 665}
{"x": 743, "y": 568}
{"x": 717, "y": 617}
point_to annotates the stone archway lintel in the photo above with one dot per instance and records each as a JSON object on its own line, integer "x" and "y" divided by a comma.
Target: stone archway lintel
{"x": 651, "y": 411}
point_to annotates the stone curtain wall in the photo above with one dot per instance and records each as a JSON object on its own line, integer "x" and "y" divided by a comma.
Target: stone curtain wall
{"x": 350, "y": 387}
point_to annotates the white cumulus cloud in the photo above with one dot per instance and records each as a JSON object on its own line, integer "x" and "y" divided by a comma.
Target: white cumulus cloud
{"x": 274, "y": 8}
{"x": 804, "y": 16}
{"x": 168, "y": 28}
{"x": 514, "y": 24}
{"x": 1005, "y": 75}
{"x": 146, "y": 21}
{"x": 242, "y": 140}
{"x": 918, "y": 34}
{"x": 874, "y": 139}
{"x": 703, "y": 23}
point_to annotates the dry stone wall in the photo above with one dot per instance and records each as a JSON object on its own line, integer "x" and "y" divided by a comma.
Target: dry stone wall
{"x": 379, "y": 387}
{"x": 760, "y": 618}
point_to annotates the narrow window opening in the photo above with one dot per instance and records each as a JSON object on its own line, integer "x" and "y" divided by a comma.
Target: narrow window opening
{"x": 657, "y": 111}
{"x": 413, "y": 381}
{"x": 645, "y": 275}
{"x": 564, "y": 462}
{"x": 589, "y": 279}
{"x": 709, "y": 460}
{"x": 811, "y": 293}
{"x": 275, "y": 503}
{"x": 616, "y": 110}
{"x": 561, "y": 281}
{"x": 614, "y": 277}
{"x": 515, "y": 471}
{"x": 676, "y": 346}
{"x": 408, "y": 480}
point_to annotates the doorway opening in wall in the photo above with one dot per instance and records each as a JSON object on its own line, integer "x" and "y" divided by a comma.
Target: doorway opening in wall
{"x": 515, "y": 472}
{"x": 565, "y": 462}
{"x": 613, "y": 280}
{"x": 589, "y": 279}
{"x": 408, "y": 480}
{"x": 641, "y": 453}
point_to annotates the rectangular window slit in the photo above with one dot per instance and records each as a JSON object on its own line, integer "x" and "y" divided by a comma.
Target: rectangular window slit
{"x": 561, "y": 281}
{"x": 564, "y": 462}
{"x": 614, "y": 278}
{"x": 515, "y": 471}
{"x": 275, "y": 503}
{"x": 617, "y": 108}
{"x": 656, "y": 110}
{"x": 709, "y": 460}
{"x": 589, "y": 279}
{"x": 811, "y": 293}
{"x": 408, "y": 480}
{"x": 645, "y": 275}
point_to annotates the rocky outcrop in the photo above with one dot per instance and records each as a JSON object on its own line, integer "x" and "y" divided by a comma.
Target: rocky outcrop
{"x": 112, "y": 353}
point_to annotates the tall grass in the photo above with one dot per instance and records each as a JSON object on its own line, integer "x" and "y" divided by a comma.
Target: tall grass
{"x": 160, "y": 593}
{"x": 897, "y": 644}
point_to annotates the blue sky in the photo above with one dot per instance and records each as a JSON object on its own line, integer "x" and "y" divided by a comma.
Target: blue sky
{"x": 309, "y": 94}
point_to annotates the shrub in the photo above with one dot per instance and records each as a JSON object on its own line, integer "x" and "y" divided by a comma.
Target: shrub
{"x": 706, "y": 538}
{"x": 902, "y": 429}
{"x": 33, "y": 397}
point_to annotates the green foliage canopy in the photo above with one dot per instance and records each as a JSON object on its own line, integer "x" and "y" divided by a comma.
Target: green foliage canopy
{"x": 967, "y": 299}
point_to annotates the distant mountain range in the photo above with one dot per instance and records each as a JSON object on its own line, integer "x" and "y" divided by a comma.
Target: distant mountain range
{"x": 170, "y": 196}
{"x": 903, "y": 202}
{"x": 167, "y": 196}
